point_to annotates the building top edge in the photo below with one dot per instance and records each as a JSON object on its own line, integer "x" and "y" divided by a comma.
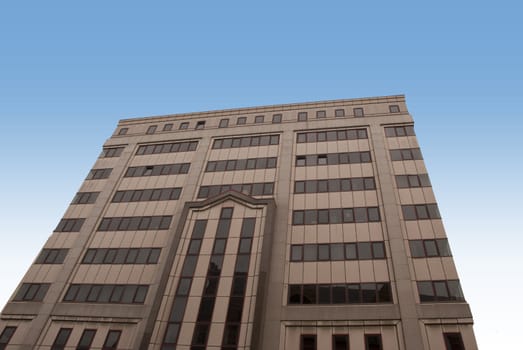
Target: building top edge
{"x": 265, "y": 109}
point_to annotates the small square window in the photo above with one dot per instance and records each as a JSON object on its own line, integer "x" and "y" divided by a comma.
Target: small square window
{"x": 241, "y": 120}
{"x": 453, "y": 341}
{"x": 358, "y": 112}
{"x": 321, "y": 114}
{"x": 394, "y": 109}
{"x": 276, "y": 118}
{"x": 259, "y": 119}
{"x": 168, "y": 127}
{"x": 339, "y": 113}
{"x": 123, "y": 131}
{"x": 151, "y": 129}
{"x": 184, "y": 125}
{"x": 200, "y": 125}
{"x": 302, "y": 116}
{"x": 224, "y": 123}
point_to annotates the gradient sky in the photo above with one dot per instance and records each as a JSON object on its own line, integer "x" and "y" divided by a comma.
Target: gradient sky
{"x": 70, "y": 70}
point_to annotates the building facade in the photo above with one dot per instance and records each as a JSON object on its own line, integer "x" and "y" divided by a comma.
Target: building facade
{"x": 300, "y": 226}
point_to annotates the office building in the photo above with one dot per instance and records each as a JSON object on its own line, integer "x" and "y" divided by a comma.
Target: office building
{"x": 300, "y": 226}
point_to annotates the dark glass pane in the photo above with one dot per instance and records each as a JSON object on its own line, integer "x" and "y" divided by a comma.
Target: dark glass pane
{"x": 111, "y": 342}
{"x": 378, "y": 250}
{"x": 206, "y": 309}
{"x": 430, "y": 247}
{"x": 348, "y": 215}
{"x": 215, "y": 265}
{"x": 421, "y": 212}
{"x": 323, "y": 216}
{"x": 245, "y": 245}
{"x": 183, "y": 286}
{"x": 219, "y": 246}
{"x": 340, "y": 342}
{"x": 311, "y": 217}
{"x": 368, "y": 292}
{"x": 299, "y": 187}
{"x": 234, "y": 312}
{"x": 230, "y": 336}
{"x": 350, "y": 251}
{"x": 61, "y": 338}
{"x": 409, "y": 212}
{"x": 426, "y": 292}
{"x": 373, "y": 342}
{"x": 238, "y": 285}
{"x": 93, "y": 294}
{"x": 324, "y": 294}
{"x": 309, "y": 294}
{"x": 384, "y": 293}
{"x": 297, "y": 217}
{"x": 440, "y": 288}
{"x": 171, "y": 334}
{"x": 337, "y": 251}
{"x": 105, "y": 293}
{"x": 310, "y": 186}
{"x": 294, "y": 294}
{"x": 424, "y": 180}
{"x": 189, "y": 265}
{"x": 322, "y": 186}
{"x": 296, "y": 252}
{"x": 353, "y": 293}
{"x": 433, "y": 211}
{"x": 178, "y": 309}
{"x": 455, "y": 291}
{"x": 335, "y": 216}
{"x": 194, "y": 246}
{"x": 128, "y": 294}
{"x": 443, "y": 247}
{"x": 242, "y": 264}
{"x": 86, "y": 339}
{"x": 402, "y": 181}
{"x": 360, "y": 214}
{"x": 310, "y": 252}
{"x": 453, "y": 341}
{"x": 308, "y": 342}
{"x": 364, "y": 250}
{"x": 374, "y": 214}
{"x": 323, "y": 252}
{"x": 83, "y": 291}
{"x": 199, "y": 228}
{"x": 141, "y": 293}
{"x": 338, "y": 294}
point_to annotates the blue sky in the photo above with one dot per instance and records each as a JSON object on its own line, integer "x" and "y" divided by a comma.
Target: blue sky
{"x": 69, "y": 71}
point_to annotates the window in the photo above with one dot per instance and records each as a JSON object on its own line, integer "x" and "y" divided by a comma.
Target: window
{"x": 135, "y": 223}
{"x": 420, "y": 212}
{"x": 151, "y": 129}
{"x": 259, "y": 119}
{"x": 353, "y": 293}
{"x": 340, "y": 342}
{"x": 224, "y": 123}
{"x": 184, "y": 126}
{"x": 146, "y": 195}
{"x": 453, "y": 341}
{"x": 333, "y": 135}
{"x": 337, "y": 251}
{"x": 172, "y": 147}
{"x": 86, "y": 339}
{"x": 200, "y": 125}
{"x": 241, "y": 120}
{"x": 85, "y": 198}
{"x": 339, "y": 113}
{"x": 335, "y": 216}
{"x": 321, "y": 114}
{"x": 61, "y": 339}
{"x": 373, "y": 342}
{"x": 440, "y": 291}
{"x": 412, "y": 181}
{"x": 123, "y": 131}
{"x": 302, "y": 116}
{"x": 399, "y": 131}
{"x": 111, "y": 341}
{"x": 69, "y": 225}
{"x": 241, "y": 164}
{"x": 405, "y": 154}
{"x": 98, "y": 174}
{"x": 5, "y": 336}
{"x": 335, "y": 185}
{"x": 168, "y": 127}
{"x": 276, "y": 118}
{"x": 308, "y": 342}
{"x": 121, "y": 256}
{"x": 111, "y": 152}
{"x": 334, "y": 158}
{"x": 157, "y": 170}
{"x": 246, "y": 141}
{"x": 429, "y": 248}
{"x": 51, "y": 256}
{"x": 394, "y": 108}
{"x": 358, "y": 112}
{"x": 106, "y": 293}
{"x": 252, "y": 189}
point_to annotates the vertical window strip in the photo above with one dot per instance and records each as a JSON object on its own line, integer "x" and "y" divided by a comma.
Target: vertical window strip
{"x": 237, "y": 296}
{"x": 170, "y": 338}
{"x": 207, "y": 302}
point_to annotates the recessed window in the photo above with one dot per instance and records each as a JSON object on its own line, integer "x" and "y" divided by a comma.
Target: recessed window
{"x": 61, "y": 339}
{"x": 358, "y": 112}
{"x": 259, "y": 119}
{"x": 200, "y": 125}
{"x": 321, "y": 114}
{"x": 302, "y": 116}
{"x": 440, "y": 291}
{"x": 373, "y": 342}
{"x": 394, "y": 109}
{"x": 184, "y": 125}
{"x": 152, "y": 129}
{"x": 123, "y": 131}
{"x": 453, "y": 341}
{"x": 339, "y": 113}
{"x": 241, "y": 120}
{"x": 86, "y": 339}
{"x": 111, "y": 341}
{"x": 276, "y": 118}
{"x": 168, "y": 127}
{"x": 224, "y": 123}
{"x": 340, "y": 342}
{"x": 6, "y": 335}
{"x": 308, "y": 342}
